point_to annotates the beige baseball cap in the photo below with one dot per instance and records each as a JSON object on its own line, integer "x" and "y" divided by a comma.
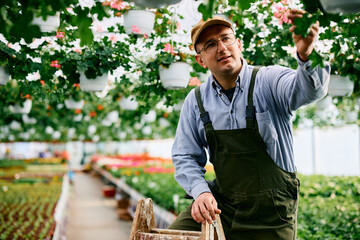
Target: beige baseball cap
{"x": 202, "y": 25}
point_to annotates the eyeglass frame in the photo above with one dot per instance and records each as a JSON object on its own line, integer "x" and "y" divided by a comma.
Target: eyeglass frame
{"x": 217, "y": 42}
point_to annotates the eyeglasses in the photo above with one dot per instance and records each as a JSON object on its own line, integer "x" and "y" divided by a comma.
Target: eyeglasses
{"x": 211, "y": 46}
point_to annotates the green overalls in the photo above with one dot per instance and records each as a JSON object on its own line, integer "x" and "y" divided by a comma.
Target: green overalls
{"x": 257, "y": 199}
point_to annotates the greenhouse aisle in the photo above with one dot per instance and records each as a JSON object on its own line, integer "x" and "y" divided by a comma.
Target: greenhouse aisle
{"x": 91, "y": 216}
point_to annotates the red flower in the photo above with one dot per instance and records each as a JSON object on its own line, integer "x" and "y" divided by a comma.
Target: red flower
{"x": 42, "y": 82}
{"x": 92, "y": 114}
{"x": 77, "y": 111}
{"x": 100, "y": 107}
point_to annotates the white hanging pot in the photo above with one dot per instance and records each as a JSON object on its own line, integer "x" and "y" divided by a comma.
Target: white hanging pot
{"x": 71, "y": 104}
{"x": 112, "y": 116}
{"x": 93, "y": 85}
{"x": 4, "y": 76}
{"x": 25, "y": 109}
{"x": 150, "y": 116}
{"x": 340, "y": 86}
{"x": 139, "y": 22}
{"x": 155, "y": 3}
{"x": 78, "y": 118}
{"x": 51, "y": 24}
{"x": 176, "y": 76}
{"x": 351, "y": 116}
{"x": 128, "y": 103}
{"x": 324, "y": 103}
{"x": 341, "y": 6}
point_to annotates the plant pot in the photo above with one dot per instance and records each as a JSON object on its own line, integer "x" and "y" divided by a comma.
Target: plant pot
{"x": 340, "y": 86}
{"x": 351, "y": 116}
{"x": 128, "y": 103}
{"x": 71, "y": 104}
{"x": 51, "y": 24}
{"x": 25, "y": 109}
{"x": 341, "y": 6}
{"x": 155, "y": 3}
{"x": 141, "y": 19}
{"x": 112, "y": 116}
{"x": 149, "y": 117}
{"x": 108, "y": 191}
{"x": 176, "y": 76}
{"x": 324, "y": 103}
{"x": 4, "y": 76}
{"x": 93, "y": 85}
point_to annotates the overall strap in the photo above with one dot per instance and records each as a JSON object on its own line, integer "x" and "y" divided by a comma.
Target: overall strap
{"x": 204, "y": 115}
{"x": 250, "y": 108}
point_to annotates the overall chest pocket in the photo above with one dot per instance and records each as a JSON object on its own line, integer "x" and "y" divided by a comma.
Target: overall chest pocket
{"x": 266, "y": 127}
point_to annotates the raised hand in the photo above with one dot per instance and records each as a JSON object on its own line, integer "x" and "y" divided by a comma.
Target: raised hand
{"x": 305, "y": 45}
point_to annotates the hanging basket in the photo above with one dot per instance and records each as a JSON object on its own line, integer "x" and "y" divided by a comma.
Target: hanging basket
{"x": 324, "y": 103}
{"x": 71, "y": 104}
{"x": 351, "y": 116}
{"x": 341, "y": 6}
{"x": 51, "y": 24}
{"x": 25, "y": 109}
{"x": 176, "y": 76}
{"x": 155, "y": 3}
{"x": 128, "y": 103}
{"x": 150, "y": 116}
{"x": 93, "y": 85}
{"x": 139, "y": 22}
{"x": 340, "y": 86}
{"x": 4, "y": 76}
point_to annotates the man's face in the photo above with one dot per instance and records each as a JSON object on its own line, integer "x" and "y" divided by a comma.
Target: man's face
{"x": 226, "y": 60}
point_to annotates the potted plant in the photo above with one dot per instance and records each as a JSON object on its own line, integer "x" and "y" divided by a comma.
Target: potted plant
{"x": 48, "y": 23}
{"x": 174, "y": 67}
{"x": 137, "y": 20}
{"x": 74, "y": 97}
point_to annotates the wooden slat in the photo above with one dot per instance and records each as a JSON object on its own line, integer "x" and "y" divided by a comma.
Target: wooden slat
{"x": 175, "y": 232}
{"x": 153, "y": 236}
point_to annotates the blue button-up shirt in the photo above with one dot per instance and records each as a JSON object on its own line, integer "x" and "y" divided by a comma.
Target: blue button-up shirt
{"x": 278, "y": 91}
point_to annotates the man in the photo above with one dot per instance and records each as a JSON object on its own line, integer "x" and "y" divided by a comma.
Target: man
{"x": 243, "y": 119}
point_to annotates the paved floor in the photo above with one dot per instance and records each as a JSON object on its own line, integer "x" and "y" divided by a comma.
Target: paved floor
{"x": 91, "y": 216}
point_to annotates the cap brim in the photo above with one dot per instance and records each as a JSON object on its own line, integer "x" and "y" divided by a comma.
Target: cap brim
{"x": 208, "y": 24}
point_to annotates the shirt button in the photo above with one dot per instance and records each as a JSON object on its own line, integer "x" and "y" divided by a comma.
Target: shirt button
{"x": 231, "y": 111}
{"x": 220, "y": 95}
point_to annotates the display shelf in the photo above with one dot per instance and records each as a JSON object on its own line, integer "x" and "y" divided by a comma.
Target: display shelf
{"x": 163, "y": 218}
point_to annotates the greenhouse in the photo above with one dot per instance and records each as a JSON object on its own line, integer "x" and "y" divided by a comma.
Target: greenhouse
{"x": 179, "y": 119}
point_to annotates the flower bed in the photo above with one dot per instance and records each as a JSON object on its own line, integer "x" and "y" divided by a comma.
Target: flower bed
{"x": 27, "y": 201}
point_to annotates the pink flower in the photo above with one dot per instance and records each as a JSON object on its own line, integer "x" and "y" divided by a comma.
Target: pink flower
{"x": 113, "y": 38}
{"x": 135, "y": 29}
{"x": 145, "y": 36}
{"x": 60, "y": 34}
{"x": 42, "y": 82}
{"x": 55, "y": 64}
{"x": 117, "y": 4}
{"x": 178, "y": 26}
{"x": 168, "y": 48}
{"x": 99, "y": 28}
{"x": 78, "y": 50}
{"x": 194, "y": 82}
{"x": 282, "y": 14}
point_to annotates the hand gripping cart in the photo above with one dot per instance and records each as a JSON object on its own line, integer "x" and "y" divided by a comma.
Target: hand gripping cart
{"x": 143, "y": 227}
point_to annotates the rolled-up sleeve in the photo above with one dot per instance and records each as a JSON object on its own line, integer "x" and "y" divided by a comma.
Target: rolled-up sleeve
{"x": 188, "y": 153}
